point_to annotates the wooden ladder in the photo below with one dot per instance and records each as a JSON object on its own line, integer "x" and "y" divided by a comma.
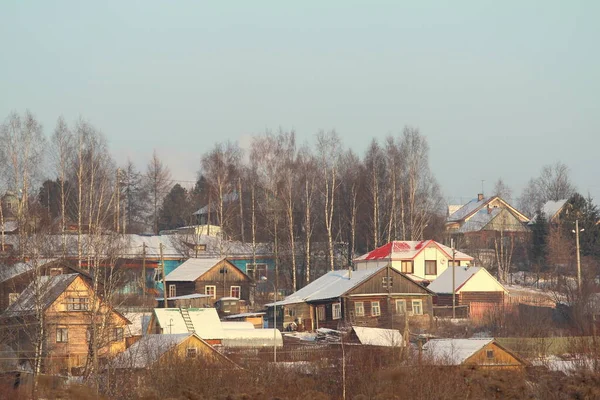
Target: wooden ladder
{"x": 188, "y": 321}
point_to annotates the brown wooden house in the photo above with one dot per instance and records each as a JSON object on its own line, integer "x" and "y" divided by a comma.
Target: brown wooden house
{"x": 215, "y": 277}
{"x": 377, "y": 297}
{"x": 73, "y": 317}
{"x": 484, "y": 352}
{"x": 14, "y": 278}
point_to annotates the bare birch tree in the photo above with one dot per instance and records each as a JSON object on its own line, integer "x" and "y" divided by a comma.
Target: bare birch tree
{"x": 157, "y": 184}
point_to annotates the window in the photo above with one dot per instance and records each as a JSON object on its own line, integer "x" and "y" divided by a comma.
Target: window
{"x": 408, "y": 267}
{"x": 489, "y": 353}
{"x": 359, "y": 308}
{"x": 455, "y": 263}
{"x": 375, "y": 310}
{"x": 172, "y": 290}
{"x": 336, "y": 310}
{"x": 387, "y": 281}
{"x": 62, "y": 335}
{"x": 55, "y": 271}
{"x": 12, "y": 297}
{"x": 235, "y": 291}
{"x": 191, "y": 352}
{"x": 117, "y": 334}
{"x": 417, "y": 307}
{"x": 321, "y": 313}
{"x": 78, "y": 303}
{"x": 400, "y": 306}
{"x": 430, "y": 267}
{"x": 211, "y": 290}
{"x": 290, "y": 312}
{"x": 258, "y": 269}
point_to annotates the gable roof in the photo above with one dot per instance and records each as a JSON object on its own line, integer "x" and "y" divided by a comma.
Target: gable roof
{"x": 378, "y": 336}
{"x": 45, "y": 289}
{"x": 194, "y": 268}
{"x": 551, "y": 209}
{"x": 335, "y": 284}
{"x": 467, "y": 211}
{"x": 443, "y": 283}
{"x": 454, "y": 351}
{"x": 408, "y": 250}
{"x": 12, "y": 271}
{"x": 205, "y": 321}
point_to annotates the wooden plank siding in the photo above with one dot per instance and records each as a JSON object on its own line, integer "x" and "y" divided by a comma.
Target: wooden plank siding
{"x": 498, "y": 357}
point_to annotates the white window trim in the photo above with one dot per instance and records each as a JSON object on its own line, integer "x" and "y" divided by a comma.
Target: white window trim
{"x": 400, "y": 301}
{"x": 231, "y": 291}
{"x": 336, "y": 311}
{"x": 191, "y": 352}
{"x": 214, "y": 287}
{"x": 362, "y": 308}
{"x": 321, "y": 313}
{"x": 172, "y": 290}
{"x": 420, "y": 303}
{"x": 373, "y": 309}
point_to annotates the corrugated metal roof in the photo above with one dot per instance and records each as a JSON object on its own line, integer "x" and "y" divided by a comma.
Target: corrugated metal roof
{"x": 454, "y": 351}
{"x": 44, "y": 289}
{"x": 479, "y": 220}
{"x": 11, "y": 271}
{"x": 206, "y": 322}
{"x": 192, "y": 269}
{"x": 378, "y": 336}
{"x": 331, "y": 285}
{"x": 148, "y": 350}
{"x": 467, "y": 209}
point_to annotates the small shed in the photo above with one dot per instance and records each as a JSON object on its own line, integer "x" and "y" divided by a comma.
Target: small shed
{"x": 484, "y": 352}
{"x": 255, "y": 318}
{"x": 376, "y": 337}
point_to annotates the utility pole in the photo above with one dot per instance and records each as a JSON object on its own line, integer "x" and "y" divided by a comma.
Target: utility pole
{"x": 578, "y": 256}
{"x": 162, "y": 263}
{"x": 144, "y": 269}
{"x": 453, "y": 278}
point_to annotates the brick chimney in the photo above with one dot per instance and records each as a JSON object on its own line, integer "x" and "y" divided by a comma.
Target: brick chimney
{"x": 479, "y": 196}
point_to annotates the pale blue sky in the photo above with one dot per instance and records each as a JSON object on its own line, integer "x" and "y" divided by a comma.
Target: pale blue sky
{"x": 499, "y": 88}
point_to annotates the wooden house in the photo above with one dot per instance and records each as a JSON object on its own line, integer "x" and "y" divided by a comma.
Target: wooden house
{"x": 376, "y": 297}
{"x": 472, "y": 285}
{"x": 210, "y": 276}
{"x": 73, "y": 317}
{"x": 471, "y": 352}
{"x": 168, "y": 348}
{"x": 421, "y": 260}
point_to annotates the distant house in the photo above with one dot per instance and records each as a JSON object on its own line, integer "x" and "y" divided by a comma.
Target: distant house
{"x": 169, "y": 348}
{"x": 210, "y": 276}
{"x": 552, "y": 210}
{"x": 71, "y": 311}
{"x": 472, "y": 284}
{"x": 420, "y": 260}
{"x": 472, "y": 216}
{"x": 471, "y": 352}
{"x": 377, "y": 297}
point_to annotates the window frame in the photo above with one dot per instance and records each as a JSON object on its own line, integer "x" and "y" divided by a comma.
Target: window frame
{"x": 118, "y": 334}
{"x": 239, "y": 288}
{"x": 489, "y": 353}
{"x": 375, "y": 306}
{"x": 258, "y": 267}
{"x": 77, "y": 304}
{"x": 403, "y": 302}
{"x": 419, "y": 304}
{"x": 387, "y": 282}
{"x": 172, "y": 290}
{"x": 62, "y": 335}
{"x": 456, "y": 263}
{"x": 434, "y": 264}
{"x": 191, "y": 352}
{"x": 361, "y": 308}
{"x": 321, "y": 313}
{"x": 214, "y": 290}
{"x": 336, "y": 311}
{"x": 412, "y": 266}
{"x": 12, "y": 297}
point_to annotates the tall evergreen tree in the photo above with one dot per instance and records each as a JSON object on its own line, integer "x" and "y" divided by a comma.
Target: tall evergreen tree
{"x": 175, "y": 211}
{"x": 539, "y": 241}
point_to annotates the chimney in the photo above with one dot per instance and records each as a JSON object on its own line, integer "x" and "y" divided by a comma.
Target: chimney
{"x": 479, "y": 196}
{"x": 489, "y": 209}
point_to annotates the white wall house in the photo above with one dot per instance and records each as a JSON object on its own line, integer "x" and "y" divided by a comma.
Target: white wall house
{"x": 421, "y": 260}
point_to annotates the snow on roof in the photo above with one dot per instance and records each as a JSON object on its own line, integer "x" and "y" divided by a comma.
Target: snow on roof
{"x": 378, "y": 336}
{"x": 148, "y": 350}
{"x": 244, "y": 315}
{"x": 44, "y": 289}
{"x": 454, "y": 351}
{"x": 331, "y": 285}
{"x": 139, "y": 323}
{"x": 252, "y": 338}
{"x": 9, "y": 226}
{"x": 229, "y": 325}
{"x": 192, "y": 269}
{"x": 467, "y": 209}
{"x": 551, "y": 209}
{"x": 227, "y": 198}
{"x": 443, "y": 283}
{"x": 407, "y": 250}
{"x": 479, "y": 220}
{"x": 452, "y": 208}
{"x": 205, "y": 321}
{"x": 11, "y": 271}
